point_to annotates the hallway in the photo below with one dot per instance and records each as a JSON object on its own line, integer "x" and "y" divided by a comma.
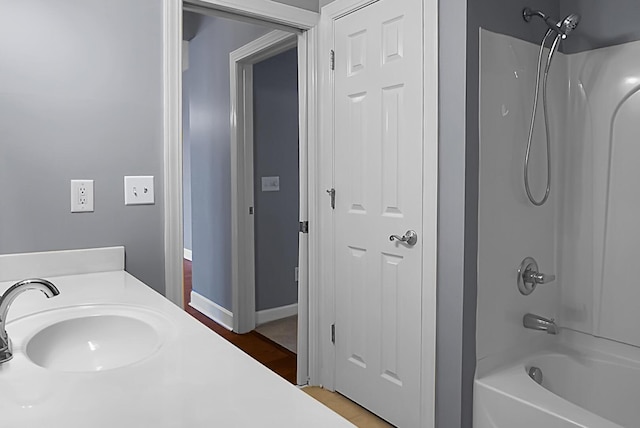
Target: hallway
{"x": 275, "y": 357}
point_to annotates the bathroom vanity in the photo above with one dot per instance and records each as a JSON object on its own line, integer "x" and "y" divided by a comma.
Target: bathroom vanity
{"x": 111, "y": 352}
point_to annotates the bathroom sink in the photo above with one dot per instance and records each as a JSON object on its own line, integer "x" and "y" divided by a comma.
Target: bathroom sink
{"x": 90, "y": 339}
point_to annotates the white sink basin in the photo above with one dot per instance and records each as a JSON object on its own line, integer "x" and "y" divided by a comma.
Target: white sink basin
{"x": 91, "y": 338}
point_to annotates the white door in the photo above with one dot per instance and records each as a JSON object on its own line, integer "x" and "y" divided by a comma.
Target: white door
{"x": 378, "y": 181}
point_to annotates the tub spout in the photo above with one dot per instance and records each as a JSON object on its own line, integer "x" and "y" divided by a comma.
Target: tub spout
{"x": 536, "y": 322}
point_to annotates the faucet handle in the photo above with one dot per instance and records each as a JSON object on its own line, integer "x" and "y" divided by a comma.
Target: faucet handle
{"x": 529, "y": 276}
{"x": 538, "y": 278}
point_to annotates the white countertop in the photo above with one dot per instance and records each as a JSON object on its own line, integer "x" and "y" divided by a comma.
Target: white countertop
{"x": 196, "y": 379}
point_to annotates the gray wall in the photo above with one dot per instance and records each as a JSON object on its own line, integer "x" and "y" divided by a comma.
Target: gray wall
{"x": 603, "y": 23}
{"x": 79, "y": 99}
{"x": 505, "y": 17}
{"x": 275, "y": 92}
{"x": 458, "y": 190}
{"x": 208, "y": 80}
{"x": 451, "y": 215}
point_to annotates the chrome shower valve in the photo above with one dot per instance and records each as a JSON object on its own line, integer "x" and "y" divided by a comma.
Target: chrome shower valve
{"x": 529, "y": 276}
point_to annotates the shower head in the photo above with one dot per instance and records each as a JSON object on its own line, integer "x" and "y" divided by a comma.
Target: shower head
{"x": 563, "y": 28}
{"x": 569, "y": 24}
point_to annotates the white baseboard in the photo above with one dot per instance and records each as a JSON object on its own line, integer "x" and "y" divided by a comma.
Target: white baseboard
{"x": 212, "y": 310}
{"x": 188, "y": 254}
{"x": 273, "y": 314}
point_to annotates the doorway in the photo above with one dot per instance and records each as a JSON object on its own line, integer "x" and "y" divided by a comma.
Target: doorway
{"x": 276, "y": 196}
{"x": 226, "y": 205}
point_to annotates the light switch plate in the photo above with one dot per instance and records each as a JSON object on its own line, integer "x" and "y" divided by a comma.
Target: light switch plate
{"x": 271, "y": 184}
{"x": 138, "y": 190}
{"x": 81, "y": 196}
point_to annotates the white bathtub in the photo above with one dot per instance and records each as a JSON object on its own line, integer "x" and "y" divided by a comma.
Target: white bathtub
{"x": 597, "y": 386}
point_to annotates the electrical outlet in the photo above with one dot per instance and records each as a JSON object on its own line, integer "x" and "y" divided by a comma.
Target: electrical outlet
{"x": 81, "y": 196}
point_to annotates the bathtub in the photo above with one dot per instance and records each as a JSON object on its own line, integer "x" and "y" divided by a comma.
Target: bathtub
{"x": 594, "y": 386}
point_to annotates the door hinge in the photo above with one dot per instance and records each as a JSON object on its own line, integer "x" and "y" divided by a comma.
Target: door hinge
{"x": 333, "y": 334}
{"x": 332, "y": 194}
{"x": 333, "y": 59}
{"x": 304, "y": 226}
{"x": 250, "y": 210}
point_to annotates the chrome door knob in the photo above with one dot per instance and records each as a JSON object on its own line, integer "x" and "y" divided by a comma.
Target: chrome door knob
{"x": 410, "y": 238}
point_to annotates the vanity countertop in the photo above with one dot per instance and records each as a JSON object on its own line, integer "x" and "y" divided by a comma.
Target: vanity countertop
{"x": 195, "y": 379}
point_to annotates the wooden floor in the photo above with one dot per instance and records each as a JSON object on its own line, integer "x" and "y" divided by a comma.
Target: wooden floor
{"x": 357, "y": 415}
{"x": 275, "y": 357}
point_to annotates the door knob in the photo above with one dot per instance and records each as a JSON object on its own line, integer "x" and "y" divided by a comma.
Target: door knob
{"x": 411, "y": 237}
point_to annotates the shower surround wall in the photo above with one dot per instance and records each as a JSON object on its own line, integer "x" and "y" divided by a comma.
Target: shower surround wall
{"x": 587, "y": 233}
{"x": 510, "y": 228}
{"x": 599, "y": 212}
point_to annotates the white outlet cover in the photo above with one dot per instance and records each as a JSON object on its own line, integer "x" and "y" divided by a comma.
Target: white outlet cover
{"x": 271, "y": 184}
{"x": 138, "y": 190}
{"x": 81, "y": 196}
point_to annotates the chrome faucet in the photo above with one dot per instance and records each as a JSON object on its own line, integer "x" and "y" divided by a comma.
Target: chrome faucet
{"x": 536, "y": 322}
{"x": 8, "y": 297}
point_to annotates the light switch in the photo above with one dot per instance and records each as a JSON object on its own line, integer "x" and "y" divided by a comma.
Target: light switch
{"x": 138, "y": 190}
{"x": 271, "y": 184}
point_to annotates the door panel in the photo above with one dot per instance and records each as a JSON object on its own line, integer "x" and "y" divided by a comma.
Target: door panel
{"x": 378, "y": 181}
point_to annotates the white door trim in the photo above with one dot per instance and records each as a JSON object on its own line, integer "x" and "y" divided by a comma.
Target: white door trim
{"x": 242, "y": 222}
{"x": 430, "y": 210}
{"x": 321, "y": 282}
{"x": 306, "y": 54}
{"x": 265, "y": 10}
{"x": 172, "y": 124}
{"x": 314, "y": 193}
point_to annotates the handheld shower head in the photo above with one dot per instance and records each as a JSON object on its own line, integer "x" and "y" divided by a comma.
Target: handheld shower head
{"x": 559, "y": 30}
{"x": 569, "y": 24}
{"x": 563, "y": 28}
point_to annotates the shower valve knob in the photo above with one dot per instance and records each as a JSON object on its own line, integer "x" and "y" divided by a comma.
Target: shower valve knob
{"x": 538, "y": 278}
{"x": 529, "y": 276}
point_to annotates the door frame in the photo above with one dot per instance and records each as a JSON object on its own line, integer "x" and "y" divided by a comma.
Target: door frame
{"x": 322, "y": 277}
{"x": 266, "y": 10}
{"x": 241, "y": 63}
